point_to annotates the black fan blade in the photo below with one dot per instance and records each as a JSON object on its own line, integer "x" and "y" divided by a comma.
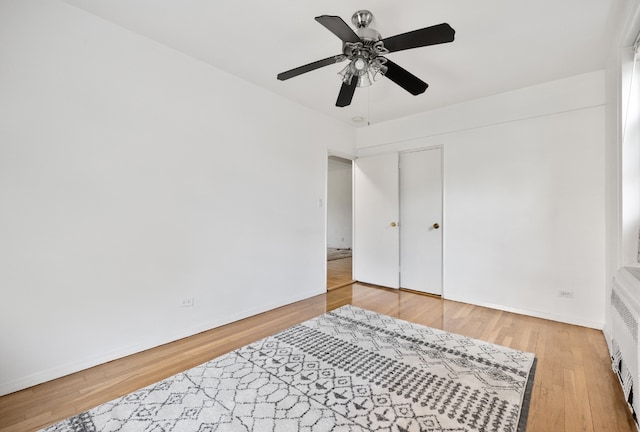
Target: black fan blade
{"x": 338, "y": 27}
{"x": 437, "y": 34}
{"x": 346, "y": 93}
{"x": 311, "y": 66}
{"x": 405, "y": 79}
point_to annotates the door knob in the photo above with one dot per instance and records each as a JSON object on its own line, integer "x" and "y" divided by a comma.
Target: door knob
{"x": 436, "y": 226}
{"x": 393, "y": 224}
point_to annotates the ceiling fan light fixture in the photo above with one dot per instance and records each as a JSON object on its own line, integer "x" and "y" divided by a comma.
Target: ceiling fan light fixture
{"x": 365, "y": 80}
{"x": 366, "y": 50}
{"x": 346, "y": 74}
{"x": 366, "y": 71}
{"x": 359, "y": 65}
{"x": 377, "y": 68}
{"x": 360, "y": 69}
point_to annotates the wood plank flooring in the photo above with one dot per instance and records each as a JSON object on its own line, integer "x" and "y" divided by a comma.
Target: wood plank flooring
{"x": 339, "y": 273}
{"x": 574, "y": 389}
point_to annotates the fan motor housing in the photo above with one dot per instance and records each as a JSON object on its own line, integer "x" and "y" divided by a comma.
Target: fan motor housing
{"x": 368, "y": 34}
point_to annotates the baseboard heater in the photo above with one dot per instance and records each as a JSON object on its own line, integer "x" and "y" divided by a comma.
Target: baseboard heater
{"x": 625, "y": 319}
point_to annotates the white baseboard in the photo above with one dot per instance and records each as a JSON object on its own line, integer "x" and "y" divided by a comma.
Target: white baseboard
{"x": 537, "y": 314}
{"x": 88, "y": 362}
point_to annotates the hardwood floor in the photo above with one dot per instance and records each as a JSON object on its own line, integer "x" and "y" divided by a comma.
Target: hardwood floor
{"x": 339, "y": 273}
{"x": 574, "y": 390}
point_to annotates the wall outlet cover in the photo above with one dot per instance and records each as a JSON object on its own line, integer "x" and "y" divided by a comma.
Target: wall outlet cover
{"x": 187, "y": 301}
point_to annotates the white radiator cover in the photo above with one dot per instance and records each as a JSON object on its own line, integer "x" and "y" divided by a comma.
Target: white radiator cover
{"x": 625, "y": 319}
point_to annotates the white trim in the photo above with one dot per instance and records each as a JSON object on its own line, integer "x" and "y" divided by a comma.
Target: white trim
{"x": 630, "y": 33}
{"x": 598, "y": 325}
{"x": 352, "y": 158}
{"x": 331, "y": 152}
{"x": 86, "y": 363}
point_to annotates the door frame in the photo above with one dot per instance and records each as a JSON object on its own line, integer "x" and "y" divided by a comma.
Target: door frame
{"x": 352, "y": 158}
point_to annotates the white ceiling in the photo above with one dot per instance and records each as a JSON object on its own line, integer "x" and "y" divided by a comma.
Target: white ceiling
{"x": 500, "y": 45}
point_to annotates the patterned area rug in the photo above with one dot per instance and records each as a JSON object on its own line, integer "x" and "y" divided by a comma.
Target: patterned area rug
{"x": 336, "y": 254}
{"x": 347, "y": 370}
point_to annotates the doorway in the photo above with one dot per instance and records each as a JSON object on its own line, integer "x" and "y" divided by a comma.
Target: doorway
{"x": 339, "y": 222}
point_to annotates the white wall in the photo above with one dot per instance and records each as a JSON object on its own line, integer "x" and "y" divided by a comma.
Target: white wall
{"x": 524, "y": 196}
{"x": 132, "y": 176}
{"x": 339, "y": 204}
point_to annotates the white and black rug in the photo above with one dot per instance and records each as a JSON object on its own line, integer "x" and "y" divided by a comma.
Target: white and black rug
{"x": 347, "y": 370}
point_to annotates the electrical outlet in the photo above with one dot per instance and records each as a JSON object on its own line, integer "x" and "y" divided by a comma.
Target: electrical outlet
{"x": 187, "y": 301}
{"x": 566, "y": 294}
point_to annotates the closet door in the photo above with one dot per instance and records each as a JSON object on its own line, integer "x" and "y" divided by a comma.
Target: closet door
{"x": 421, "y": 220}
{"x": 376, "y": 248}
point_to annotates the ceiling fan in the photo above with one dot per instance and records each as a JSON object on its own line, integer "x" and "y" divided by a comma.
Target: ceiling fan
{"x": 365, "y": 50}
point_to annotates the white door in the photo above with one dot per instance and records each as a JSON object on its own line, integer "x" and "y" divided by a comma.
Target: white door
{"x": 421, "y": 220}
{"x": 376, "y": 248}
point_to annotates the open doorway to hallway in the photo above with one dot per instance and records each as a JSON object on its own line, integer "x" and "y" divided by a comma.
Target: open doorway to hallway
{"x": 339, "y": 222}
